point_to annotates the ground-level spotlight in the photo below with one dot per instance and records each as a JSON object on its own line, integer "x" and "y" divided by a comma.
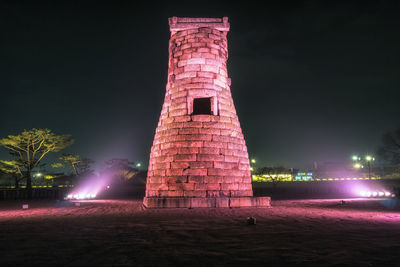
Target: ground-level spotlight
{"x": 366, "y": 193}
{"x": 80, "y": 196}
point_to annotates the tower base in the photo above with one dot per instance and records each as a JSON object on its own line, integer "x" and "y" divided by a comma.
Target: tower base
{"x": 198, "y": 202}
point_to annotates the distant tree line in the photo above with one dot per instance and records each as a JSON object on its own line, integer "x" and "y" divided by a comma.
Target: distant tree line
{"x": 390, "y": 151}
{"x": 28, "y": 150}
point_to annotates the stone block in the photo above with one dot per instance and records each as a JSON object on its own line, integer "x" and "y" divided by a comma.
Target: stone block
{"x": 169, "y": 151}
{"x": 170, "y": 193}
{"x": 164, "y": 165}
{"x": 183, "y": 118}
{"x": 244, "y": 166}
{"x": 245, "y": 186}
{"x": 242, "y": 193}
{"x": 212, "y": 187}
{"x": 151, "y": 193}
{"x": 179, "y": 165}
{"x": 229, "y": 186}
{"x": 192, "y": 124}
{"x": 209, "y": 150}
{"x": 201, "y": 172}
{"x": 232, "y": 159}
{"x": 173, "y": 172}
{"x": 196, "y": 179}
{"x": 201, "y": 165}
{"x": 175, "y": 179}
{"x": 188, "y": 150}
{"x": 202, "y": 203}
{"x": 159, "y": 172}
{"x": 222, "y": 202}
{"x": 202, "y": 118}
{"x": 210, "y": 68}
{"x": 203, "y": 50}
{"x": 202, "y": 93}
{"x": 201, "y": 80}
{"x": 189, "y": 130}
{"x": 156, "y": 179}
{"x": 225, "y": 193}
{"x": 209, "y": 75}
{"x": 160, "y": 202}
{"x": 182, "y": 144}
{"x": 225, "y": 165}
{"x": 213, "y": 193}
{"x": 191, "y": 68}
{"x": 195, "y": 193}
{"x": 195, "y": 137}
{"x": 263, "y": 202}
{"x": 209, "y": 157}
{"x": 213, "y": 179}
{"x": 196, "y": 61}
{"x": 208, "y": 55}
{"x": 175, "y": 187}
{"x": 237, "y": 202}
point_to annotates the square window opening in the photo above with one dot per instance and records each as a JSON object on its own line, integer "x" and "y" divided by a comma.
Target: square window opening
{"x": 202, "y": 106}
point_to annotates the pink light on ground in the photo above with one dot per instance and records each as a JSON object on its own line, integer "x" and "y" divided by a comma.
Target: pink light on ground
{"x": 367, "y": 193}
{"x": 366, "y": 190}
{"x": 90, "y": 187}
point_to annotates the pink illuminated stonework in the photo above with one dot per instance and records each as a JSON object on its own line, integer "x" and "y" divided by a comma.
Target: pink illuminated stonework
{"x": 199, "y": 156}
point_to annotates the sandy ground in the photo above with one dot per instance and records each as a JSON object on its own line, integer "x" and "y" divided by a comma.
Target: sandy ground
{"x": 122, "y": 233}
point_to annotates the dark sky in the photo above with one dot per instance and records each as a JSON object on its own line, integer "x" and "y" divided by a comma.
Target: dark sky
{"x": 311, "y": 80}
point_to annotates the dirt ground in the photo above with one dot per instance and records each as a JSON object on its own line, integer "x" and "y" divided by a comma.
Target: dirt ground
{"x": 121, "y": 233}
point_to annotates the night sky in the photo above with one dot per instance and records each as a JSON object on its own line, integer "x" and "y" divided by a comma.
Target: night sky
{"x": 311, "y": 81}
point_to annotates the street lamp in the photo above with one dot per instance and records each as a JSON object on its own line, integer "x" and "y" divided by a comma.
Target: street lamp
{"x": 369, "y": 158}
{"x": 357, "y": 166}
{"x": 253, "y": 161}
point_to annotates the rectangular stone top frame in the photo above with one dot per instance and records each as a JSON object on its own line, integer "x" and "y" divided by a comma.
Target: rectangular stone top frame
{"x": 179, "y": 24}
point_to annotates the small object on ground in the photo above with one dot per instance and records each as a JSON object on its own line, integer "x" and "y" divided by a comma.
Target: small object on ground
{"x": 251, "y": 220}
{"x": 25, "y": 206}
{"x": 77, "y": 204}
{"x": 342, "y": 202}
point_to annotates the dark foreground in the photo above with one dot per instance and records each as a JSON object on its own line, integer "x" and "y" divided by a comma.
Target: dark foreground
{"x": 121, "y": 233}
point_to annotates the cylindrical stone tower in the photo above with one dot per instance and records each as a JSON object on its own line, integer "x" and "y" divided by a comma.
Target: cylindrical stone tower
{"x": 199, "y": 157}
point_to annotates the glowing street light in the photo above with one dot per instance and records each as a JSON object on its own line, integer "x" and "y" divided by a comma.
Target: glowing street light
{"x": 354, "y": 158}
{"x": 138, "y": 165}
{"x": 253, "y": 161}
{"x": 357, "y": 166}
{"x": 369, "y": 158}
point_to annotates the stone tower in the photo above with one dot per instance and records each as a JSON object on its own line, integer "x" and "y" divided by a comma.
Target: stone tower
{"x": 199, "y": 157}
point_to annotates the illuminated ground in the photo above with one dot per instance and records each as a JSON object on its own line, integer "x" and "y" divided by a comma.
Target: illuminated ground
{"x": 121, "y": 233}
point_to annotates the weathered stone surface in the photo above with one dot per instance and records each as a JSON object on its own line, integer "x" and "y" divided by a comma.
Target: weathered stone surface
{"x": 199, "y": 159}
{"x": 206, "y": 202}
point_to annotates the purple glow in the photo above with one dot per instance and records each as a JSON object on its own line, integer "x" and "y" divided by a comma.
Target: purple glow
{"x": 367, "y": 193}
{"x": 90, "y": 187}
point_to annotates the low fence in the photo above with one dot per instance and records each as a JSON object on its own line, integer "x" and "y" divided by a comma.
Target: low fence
{"x": 37, "y": 193}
